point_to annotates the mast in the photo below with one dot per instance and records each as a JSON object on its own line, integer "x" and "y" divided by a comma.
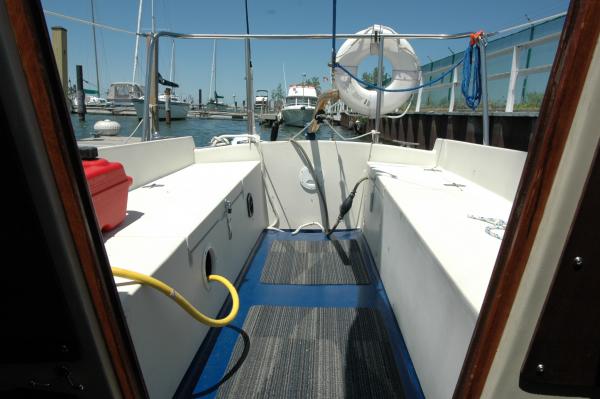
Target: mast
{"x": 249, "y": 88}
{"x": 215, "y": 72}
{"x": 213, "y": 76}
{"x": 284, "y": 80}
{"x": 153, "y": 18}
{"x": 95, "y": 48}
{"x": 172, "y": 71}
{"x": 137, "y": 40}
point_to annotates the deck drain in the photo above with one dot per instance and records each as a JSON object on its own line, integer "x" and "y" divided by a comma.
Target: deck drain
{"x": 208, "y": 265}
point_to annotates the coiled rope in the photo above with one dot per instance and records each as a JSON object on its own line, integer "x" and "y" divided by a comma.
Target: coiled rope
{"x": 472, "y": 60}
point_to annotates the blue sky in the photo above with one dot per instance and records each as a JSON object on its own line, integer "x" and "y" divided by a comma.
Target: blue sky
{"x": 193, "y": 58}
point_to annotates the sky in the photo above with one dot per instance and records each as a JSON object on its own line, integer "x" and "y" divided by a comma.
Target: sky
{"x": 193, "y": 58}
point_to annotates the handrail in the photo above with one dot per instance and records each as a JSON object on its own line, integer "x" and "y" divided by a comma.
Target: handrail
{"x": 149, "y": 130}
{"x": 314, "y": 36}
{"x": 508, "y": 50}
{"x": 511, "y": 74}
{"x": 344, "y": 36}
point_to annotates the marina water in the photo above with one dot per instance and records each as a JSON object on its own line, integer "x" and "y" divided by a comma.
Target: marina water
{"x": 202, "y": 130}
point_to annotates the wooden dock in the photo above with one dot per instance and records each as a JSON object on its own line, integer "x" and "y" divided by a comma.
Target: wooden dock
{"x": 266, "y": 118}
{"x": 122, "y": 111}
{"x": 205, "y": 114}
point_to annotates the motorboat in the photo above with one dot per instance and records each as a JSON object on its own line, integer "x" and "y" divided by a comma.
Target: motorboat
{"x": 261, "y": 101}
{"x": 94, "y": 101}
{"x": 299, "y": 105}
{"x": 122, "y": 94}
{"x": 301, "y": 268}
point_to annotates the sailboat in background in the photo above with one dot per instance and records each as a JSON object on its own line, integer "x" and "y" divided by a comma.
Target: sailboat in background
{"x": 93, "y": 98}
{"x": 214, "y": 103}
{"x": 122, "y": 94}
{"x": 179, "y": 108}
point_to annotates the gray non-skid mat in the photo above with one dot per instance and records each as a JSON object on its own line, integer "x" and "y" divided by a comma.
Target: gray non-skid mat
{"x": 314, "y": 262}
{"x": 298, "y": 352}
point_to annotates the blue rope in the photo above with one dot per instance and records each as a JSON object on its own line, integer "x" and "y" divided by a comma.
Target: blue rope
{"x": 471, "y": 59}
{"x": 375, "y": 87}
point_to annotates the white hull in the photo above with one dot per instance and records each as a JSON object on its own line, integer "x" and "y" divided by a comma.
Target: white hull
{"x": 179, "y": 110}
{"x": 297, "y": 116}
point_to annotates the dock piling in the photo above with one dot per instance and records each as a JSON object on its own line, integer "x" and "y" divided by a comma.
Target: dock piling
{"x": 59, "y": 46}
{"x": 168, "y": 105}
{"x": 80, "y": 94}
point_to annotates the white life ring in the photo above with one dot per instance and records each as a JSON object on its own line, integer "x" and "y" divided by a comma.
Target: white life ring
{"x": 405, "y": 73}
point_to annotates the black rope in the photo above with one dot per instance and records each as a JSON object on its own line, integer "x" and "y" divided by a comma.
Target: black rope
{"x": 236, "y": 366}
{"x": 306, "y": 161}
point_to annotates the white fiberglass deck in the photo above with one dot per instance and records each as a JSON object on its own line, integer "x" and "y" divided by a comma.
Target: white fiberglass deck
{"x": 172, "y": 209}
{"x": 437, "y": 204}
{"x": 172, "y": 223}
{"x": 435, "y": 261}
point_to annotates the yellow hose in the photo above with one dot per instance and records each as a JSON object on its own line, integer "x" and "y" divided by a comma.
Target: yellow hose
{"x": 181, "y": 301}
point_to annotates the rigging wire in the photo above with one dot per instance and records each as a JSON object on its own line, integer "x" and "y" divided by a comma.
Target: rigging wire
{"x": 528, "y": 24}
{"x": 96, "y": 24}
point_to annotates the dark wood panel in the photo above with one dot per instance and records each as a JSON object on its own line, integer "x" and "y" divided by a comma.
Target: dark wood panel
{"x": 564, "y": 355}
{"x": 36, "y": 57}
{"x": 573, "y": 57}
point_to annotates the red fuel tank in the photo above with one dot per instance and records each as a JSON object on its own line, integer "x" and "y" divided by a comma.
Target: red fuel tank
{"x": 109, "y": 186}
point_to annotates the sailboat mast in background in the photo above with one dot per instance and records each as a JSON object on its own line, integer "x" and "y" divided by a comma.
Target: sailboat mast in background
{"x": 172, "y": 70}
{"x": 153, "y": 17}
{"x": 137, "y": 40}
{"x": 95, "y": 48}
{"x": 213, "y": 73}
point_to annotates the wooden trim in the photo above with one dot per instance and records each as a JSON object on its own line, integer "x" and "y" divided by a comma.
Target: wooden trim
{"x": 49, "y": 103}
{"x": 567, "y": 78}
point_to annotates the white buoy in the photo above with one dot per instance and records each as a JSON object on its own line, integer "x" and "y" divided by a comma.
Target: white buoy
{"x": 107, "y": 127}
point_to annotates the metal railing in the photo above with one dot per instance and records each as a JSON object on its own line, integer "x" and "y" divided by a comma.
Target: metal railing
{"x": 513, "y": 74}
{"x": 151, "y": 110}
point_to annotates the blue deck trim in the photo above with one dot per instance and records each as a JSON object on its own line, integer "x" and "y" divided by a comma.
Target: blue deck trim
{"x": 253, "y": 292}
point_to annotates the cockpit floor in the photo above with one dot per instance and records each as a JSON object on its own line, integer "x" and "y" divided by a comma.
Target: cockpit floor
{"x": 298, "y": 340}
{"x": 309, "y": 262}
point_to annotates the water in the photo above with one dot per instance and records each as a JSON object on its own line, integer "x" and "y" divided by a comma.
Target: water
{"x": 202, "y": 130}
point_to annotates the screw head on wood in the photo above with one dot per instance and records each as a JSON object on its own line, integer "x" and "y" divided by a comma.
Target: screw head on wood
{"x": 539, "y": 368}
{"x": 578, "y": 262}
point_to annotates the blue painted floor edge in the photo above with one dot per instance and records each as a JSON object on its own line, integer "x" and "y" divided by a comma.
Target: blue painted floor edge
{"x": 253, "y": 292}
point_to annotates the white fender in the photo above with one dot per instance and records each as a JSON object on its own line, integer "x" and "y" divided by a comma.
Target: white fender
{"x": 405, "y": 73}
{"x": 107, "y": 127}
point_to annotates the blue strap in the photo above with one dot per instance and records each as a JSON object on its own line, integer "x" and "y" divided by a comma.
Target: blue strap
{"x": 375, "y": 87}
